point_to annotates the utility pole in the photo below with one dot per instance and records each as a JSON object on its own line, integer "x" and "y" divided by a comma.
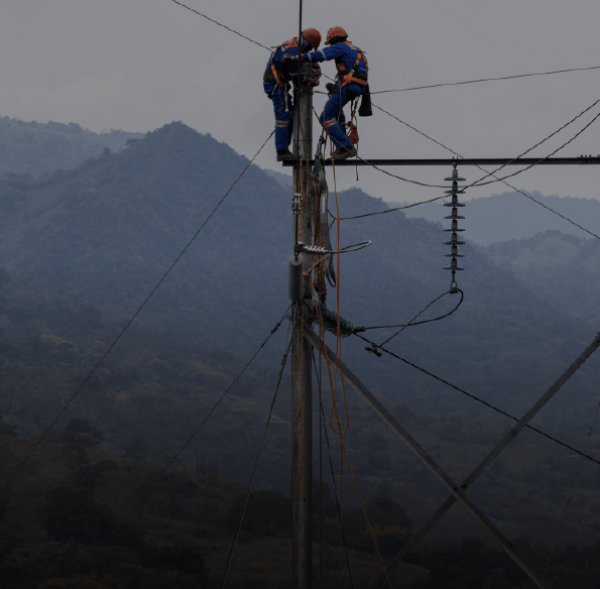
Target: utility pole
{"x": 301, "y": 348}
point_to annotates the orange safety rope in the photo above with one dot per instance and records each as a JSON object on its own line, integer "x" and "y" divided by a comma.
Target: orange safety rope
{"x": 338, "y": 368}
{"x": 367, "y": 518}
{"x": 332, "y": 384}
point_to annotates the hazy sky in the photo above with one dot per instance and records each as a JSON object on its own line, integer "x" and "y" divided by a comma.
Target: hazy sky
{"x": 138, "y": 64}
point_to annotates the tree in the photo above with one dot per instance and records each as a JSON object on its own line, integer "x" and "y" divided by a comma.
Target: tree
{"x": 184, "y": 560}
{"x": 72, "y": 514}
{"x": 389, "y": 522}
{"x": 7, "y": 429}
{"x": 268, "y": 513}
{"x": 79, "y": 431}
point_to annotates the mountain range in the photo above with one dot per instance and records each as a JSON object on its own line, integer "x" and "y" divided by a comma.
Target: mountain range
{"x": 83, "y": 248}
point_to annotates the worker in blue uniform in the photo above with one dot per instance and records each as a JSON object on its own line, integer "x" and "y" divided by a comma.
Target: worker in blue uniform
{"x": 352, "y": 81}
{"x": 276, "y": 83}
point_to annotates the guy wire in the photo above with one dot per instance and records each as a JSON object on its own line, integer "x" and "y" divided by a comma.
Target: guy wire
{"x": 475, "y": 398}
{"x": 260, "y": 446}
{"x": 185, "y": 445}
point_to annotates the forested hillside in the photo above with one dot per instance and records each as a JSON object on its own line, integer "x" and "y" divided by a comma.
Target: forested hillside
{"x": 84, "y": 247}
{"x": 562, "y": 269}
{"x": 72, "y": 524}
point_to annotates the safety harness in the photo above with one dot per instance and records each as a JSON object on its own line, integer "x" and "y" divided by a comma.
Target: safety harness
{"x": 271, "y": 73}
{"x": 274, "y": 74}
{"x": 352, "y": 76}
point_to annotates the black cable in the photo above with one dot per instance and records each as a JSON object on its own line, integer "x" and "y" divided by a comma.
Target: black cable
{"x": 577, "y": 69}
{"x": 412, "y": 324}
{"x": 493, "y": 174}
{"x": 490, "y": 406}
{"x": 270, "y": 49}
{"x": 403, "y": 327}
{"x": 393, "y": 176}
{"x": 496, "y": 179}
{"x": 416, "y": 204}
{"x": 461, "y": 157}
{"x": 41, "y": 439}
{"x": 551, "y": 210}
{"x": 262, "y": 440}
{"x": 438, "y": 198}
{"x": 478, "y": 182}
{"x": 185, "y": 445}
{"x": 221, "y": 25}
{"x": 333, "y": 478}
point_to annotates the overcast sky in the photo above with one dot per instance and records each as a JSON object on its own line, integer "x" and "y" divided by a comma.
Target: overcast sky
{"x": 139, "y": 64}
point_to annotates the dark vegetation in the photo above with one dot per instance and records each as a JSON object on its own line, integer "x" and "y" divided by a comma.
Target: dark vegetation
{"x": 71, "y": 526}
{"x": 81, "y": 251}
{"x": 549, "y": 261}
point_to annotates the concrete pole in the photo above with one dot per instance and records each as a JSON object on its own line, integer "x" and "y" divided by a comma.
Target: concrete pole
{"x": 302, "y": 354}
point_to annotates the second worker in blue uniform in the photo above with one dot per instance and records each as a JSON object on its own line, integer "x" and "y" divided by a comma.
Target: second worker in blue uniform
{"x": 352, "y": 81}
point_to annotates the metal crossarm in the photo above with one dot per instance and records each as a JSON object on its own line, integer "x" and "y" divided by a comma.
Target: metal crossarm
{"x": 458, "y": 493}
{"x": 524, "y": 161}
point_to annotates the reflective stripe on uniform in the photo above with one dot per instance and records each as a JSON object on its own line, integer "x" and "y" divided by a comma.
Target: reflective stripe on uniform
{"x": 282, "y": 123}
{"x": 330, "y": 122}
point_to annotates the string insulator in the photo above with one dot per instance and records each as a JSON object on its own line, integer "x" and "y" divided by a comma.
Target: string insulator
{"x": 454, "y": 217}
{"x": 330, "y": 323}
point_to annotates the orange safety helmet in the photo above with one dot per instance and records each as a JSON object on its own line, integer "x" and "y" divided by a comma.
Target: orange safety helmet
{"x": 334, "y": 32}
{"x": 313, "y": 37}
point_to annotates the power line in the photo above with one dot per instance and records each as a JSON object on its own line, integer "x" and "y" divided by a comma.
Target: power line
{"x": 430, "y": 138}
{"x": 496, "y": 179}
{"x": 413, "y": 323}
{"x": 403, "y": 327}
{"x": 552, "y": 210}
{"x": 185, "y": 445}
{"x": 221, "y": 25}
{"x": 260, "y": 446}
{"x": 523, "y": 193}
{"x": 401, "y": 89}
{"x": 513, "y": 77}
{"x": 475, "y": 398}
{"x": 114, "y": 343}
{"x": 479, "y": 183}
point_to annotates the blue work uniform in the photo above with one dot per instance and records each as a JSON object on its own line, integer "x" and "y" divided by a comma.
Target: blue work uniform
{"x": 352, "y": 82}
{"x": 276, "y": 80}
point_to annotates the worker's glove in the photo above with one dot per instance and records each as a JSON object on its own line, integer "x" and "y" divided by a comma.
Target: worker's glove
{"x": 288, "y": 57}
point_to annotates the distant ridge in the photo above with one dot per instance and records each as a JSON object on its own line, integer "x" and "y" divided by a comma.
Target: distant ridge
{"x": 510, "y": 215}
{"x": 35, "y": 148}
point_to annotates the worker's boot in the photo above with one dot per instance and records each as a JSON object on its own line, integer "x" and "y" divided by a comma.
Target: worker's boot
{"x": 344, "y": 153}
{"x": 285, "y": 155}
